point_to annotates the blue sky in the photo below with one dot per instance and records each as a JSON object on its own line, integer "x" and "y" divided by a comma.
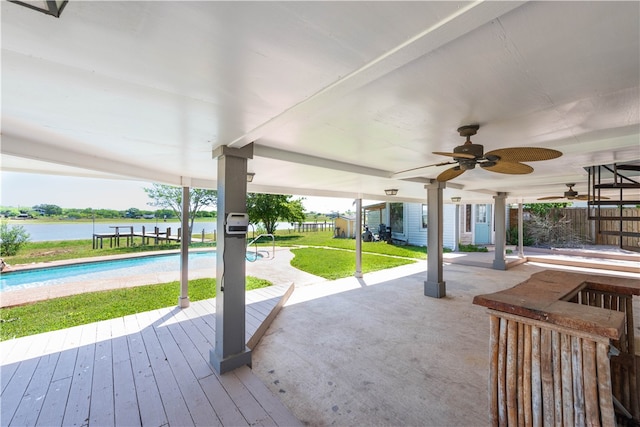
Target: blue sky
{"x": 26, "y": 190}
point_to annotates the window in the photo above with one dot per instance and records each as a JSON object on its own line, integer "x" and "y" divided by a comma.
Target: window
{"x": 467, "y": 218}
{"x": 425, "y": 215}
{"x": 396, "y": 217}
{"x": 481, "y": 214}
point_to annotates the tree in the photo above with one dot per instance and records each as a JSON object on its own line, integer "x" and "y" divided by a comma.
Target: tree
{"x": 170, "y": 197}
{"x": 269, "y": 208}
{"x": 12, "y": 238}
{"x": 48, "y": 209}
{"x": 543, "y": 209}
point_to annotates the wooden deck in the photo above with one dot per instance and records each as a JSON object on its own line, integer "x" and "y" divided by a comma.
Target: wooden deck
{"x": 149, "y": 369}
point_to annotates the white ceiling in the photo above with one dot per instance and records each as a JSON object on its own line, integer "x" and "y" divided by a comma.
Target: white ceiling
{"x": 337, "y": 96}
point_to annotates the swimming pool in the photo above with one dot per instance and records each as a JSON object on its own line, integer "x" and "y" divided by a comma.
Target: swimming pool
{"x": 50, "y": 276}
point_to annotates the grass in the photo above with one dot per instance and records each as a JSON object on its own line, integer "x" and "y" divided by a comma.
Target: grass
{"x": 326, "y": 239}
{"x": 335, "y": 264}
{"x": 66, "y": 312}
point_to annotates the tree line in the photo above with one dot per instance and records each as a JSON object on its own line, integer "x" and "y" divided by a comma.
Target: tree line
{"x": 265, "y": 209}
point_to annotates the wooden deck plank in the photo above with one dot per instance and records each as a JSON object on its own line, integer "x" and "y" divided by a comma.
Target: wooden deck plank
{"x": 53, "y": 407}
{"x": 15, "y": 393}
{"x": 175, "y": 407}
{"x": 146, "y": 369}
{"x": 31, "y": 404}
{"x": 222, "y": 404}
{"x": 55, "y": 401}
{"x": 125, "y": 399}
{"x": 251, "y": 410}
{"x": 101, "y": 409}
{"x": 197, "y": 402}
{"x": 225, "y": 407}
{"x": 77, "y": 410}
{"x": 198, "y": 363}
{"x": 68, "y": 352}
{"x": 149, "y": 402}
{"x": 274, "y": 407}
{"x": 6, "y": 348}
{"x": 16, "y": 388}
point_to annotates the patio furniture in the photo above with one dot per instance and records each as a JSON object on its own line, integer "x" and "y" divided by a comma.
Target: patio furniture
{"x": 562, "y": 351}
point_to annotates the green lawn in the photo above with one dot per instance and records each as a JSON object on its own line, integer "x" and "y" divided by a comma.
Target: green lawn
{"x": 326, "y": 239}
{"x": 65, "y": 312}
{"x": 335, "y": 264}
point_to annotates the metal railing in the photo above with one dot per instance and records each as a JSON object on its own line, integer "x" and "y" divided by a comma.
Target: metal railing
{"x": 254, "y": 242}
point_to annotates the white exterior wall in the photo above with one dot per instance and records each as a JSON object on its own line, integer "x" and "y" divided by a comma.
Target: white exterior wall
{"x": 417, "y": 236}
{"x": 449, "y": 226}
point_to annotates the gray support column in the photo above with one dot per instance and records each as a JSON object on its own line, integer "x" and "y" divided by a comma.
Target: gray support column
{"x": 434, "y": 286}
{"x": 230, "y": 350}
{"x": 520, "y": 231}
{"x": 358, "y": 238}
{"x": 183, "y": 301}
{"x": 500, "y": 261}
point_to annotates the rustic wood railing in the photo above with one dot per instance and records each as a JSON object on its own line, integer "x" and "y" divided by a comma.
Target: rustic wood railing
{"x": 552, "y": 340}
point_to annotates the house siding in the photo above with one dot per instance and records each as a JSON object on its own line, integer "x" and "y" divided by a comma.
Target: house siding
{"x": 416, "y": 235}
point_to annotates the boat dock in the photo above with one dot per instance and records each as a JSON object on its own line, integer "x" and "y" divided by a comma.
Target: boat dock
{"x": 128, "y": 233}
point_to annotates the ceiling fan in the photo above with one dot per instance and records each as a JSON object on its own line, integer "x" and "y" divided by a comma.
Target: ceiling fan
{"x": 571, "y": 194}
{"x": 502, "y": 160}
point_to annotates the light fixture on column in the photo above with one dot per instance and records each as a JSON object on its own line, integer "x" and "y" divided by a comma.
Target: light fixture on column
{"x": 391, "y": 192}
{"x": 456, "y": 199}
{"x": 250, "y": 176}
{"x": 49, "y": 7}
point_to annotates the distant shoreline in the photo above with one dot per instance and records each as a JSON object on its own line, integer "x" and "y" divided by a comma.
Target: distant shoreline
{"x": 127, "y": 221}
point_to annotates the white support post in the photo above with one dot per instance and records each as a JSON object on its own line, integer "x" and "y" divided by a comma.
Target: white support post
{"x": 500, "y": 260}
{"x": 358, "y": 273}
{"x": 183, "y": 301}
{"x": 520, "y": 231}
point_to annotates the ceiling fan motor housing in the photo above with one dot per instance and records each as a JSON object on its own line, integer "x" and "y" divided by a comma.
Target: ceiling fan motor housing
{"x": 476, "y": 150}
{"x": 571, "y": 193}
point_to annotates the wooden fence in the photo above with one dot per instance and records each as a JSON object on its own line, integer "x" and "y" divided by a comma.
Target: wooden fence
{"x": 579, "y": 224}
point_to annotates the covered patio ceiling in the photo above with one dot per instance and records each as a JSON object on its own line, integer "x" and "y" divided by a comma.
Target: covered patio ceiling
{"x": 338, "y": 97}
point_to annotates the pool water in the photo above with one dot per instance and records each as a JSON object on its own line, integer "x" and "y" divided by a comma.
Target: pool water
{"x": 103, "y": 270}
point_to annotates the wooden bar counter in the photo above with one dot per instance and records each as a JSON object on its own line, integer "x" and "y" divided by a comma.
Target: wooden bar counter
{"x": 562, "y": 351}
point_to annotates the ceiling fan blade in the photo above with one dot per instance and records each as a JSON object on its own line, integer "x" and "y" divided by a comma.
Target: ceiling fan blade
{"x": 550, "y": 198}
{"x": 585, "y": 197}
{"x": 524, "y": 154}
{"x": 427, "y": 166}
{"x": 458, "y": 155}
{"x": 511, "y": 168}
{"x": 450, "y": 174}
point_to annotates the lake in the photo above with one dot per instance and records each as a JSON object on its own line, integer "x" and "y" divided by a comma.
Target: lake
{"x": 85, "y": 230}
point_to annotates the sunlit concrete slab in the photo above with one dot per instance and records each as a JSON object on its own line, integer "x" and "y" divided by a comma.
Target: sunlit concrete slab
{"x": 376, "y": 351}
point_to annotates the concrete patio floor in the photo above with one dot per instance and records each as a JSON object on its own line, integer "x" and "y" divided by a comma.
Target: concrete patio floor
{"x": 376, "y": 351}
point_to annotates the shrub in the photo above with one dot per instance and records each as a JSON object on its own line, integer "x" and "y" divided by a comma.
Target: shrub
{"x": 553, "y": 230}
{"x": 471, "y": 248}
{"x": 12, "y": 238}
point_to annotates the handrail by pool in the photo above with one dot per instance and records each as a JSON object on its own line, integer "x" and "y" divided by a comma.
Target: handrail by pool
{"x": 254, "y": 242}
